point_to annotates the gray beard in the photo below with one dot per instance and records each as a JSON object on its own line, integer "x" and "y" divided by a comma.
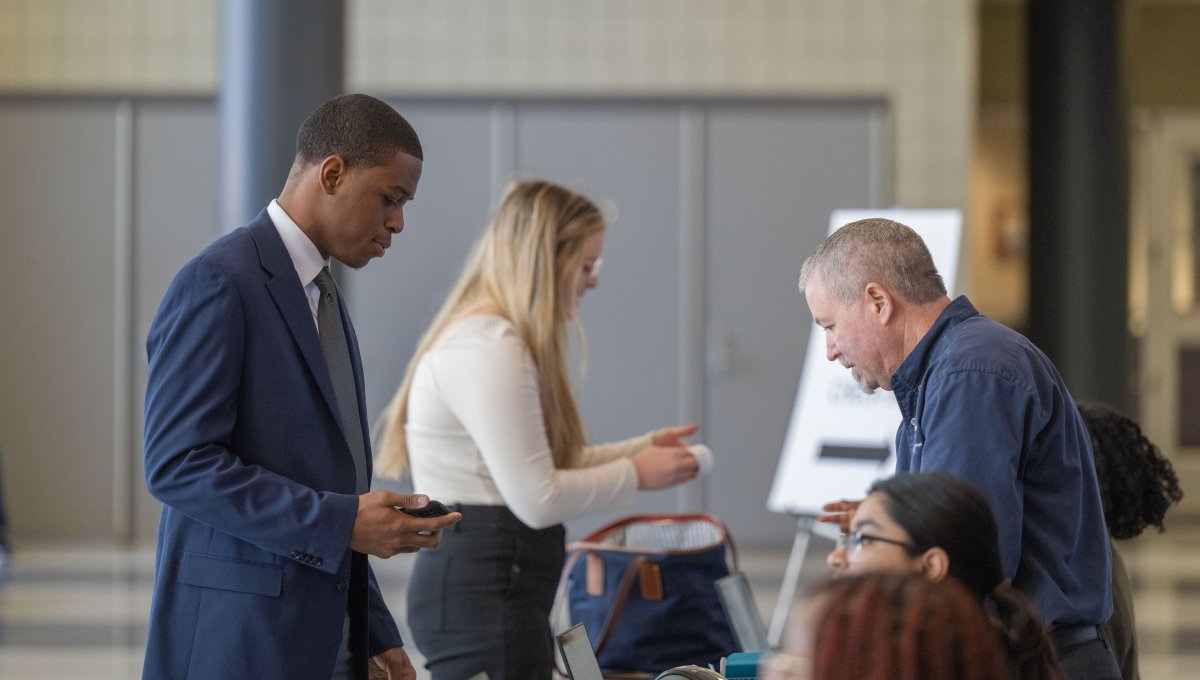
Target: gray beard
{"x": 862, "y": 382}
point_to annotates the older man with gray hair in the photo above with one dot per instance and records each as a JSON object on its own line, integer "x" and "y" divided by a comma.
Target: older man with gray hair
{"x": 979, "y": 401}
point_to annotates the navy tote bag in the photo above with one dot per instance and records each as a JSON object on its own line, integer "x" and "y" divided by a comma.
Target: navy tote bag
{"x": 643, "y": 588}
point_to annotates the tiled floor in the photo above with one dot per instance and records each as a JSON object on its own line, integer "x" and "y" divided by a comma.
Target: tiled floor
{"x": 82, "y": 611}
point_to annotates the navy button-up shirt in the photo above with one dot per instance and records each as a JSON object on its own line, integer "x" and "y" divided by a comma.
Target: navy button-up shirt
{"x": 980, "y": 401}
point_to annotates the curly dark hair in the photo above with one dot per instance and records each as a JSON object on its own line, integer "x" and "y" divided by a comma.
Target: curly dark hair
{"x": 363, "y": 130}
{"x": 1137, "y": 483}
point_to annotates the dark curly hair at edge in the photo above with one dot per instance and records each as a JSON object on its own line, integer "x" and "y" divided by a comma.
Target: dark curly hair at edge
{"x": 1137, "y": 483}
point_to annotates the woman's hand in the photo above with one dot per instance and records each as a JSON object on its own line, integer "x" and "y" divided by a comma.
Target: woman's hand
{"x": 673, "y": 436}
{"x": 659, "y": 467}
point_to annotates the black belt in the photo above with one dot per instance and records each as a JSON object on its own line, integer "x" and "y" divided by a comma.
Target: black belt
{"x": 495, "y": 518}
{"x": 1070, "y": 636}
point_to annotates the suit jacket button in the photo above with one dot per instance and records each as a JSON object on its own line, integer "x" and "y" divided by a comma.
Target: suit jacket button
{"x": 342, "y": 586}
{"x": 317, "y": 561}
{"x": 296, "y": 554}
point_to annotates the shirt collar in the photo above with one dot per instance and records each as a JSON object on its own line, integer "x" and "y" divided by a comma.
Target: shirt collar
{"x": 913, "y": 368}
{"x": 304, "y": 253}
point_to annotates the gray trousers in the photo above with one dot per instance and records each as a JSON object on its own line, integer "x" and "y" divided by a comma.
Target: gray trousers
{"x": 481, "y": 602}
{"x": 343, "y": 668}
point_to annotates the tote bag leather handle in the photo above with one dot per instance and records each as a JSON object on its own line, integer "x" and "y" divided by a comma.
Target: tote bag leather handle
{"x": 635, "y": 567}
{"x": 638, "y": 565}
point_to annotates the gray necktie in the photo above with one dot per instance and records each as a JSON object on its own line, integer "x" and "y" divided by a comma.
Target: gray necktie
{"x": 337, "y": 358}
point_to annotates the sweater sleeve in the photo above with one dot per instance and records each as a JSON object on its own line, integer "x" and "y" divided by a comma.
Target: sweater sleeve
{"x": 598, "y": 454}
{"x": 491, "y": 385}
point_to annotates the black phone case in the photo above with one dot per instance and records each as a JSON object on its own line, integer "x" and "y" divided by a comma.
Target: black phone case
{"x": 434, "y": 509}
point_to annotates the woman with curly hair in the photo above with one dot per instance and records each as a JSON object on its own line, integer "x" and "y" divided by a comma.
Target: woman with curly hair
{"x": 1137, "y": 485}
{"x": 886, "y": 626}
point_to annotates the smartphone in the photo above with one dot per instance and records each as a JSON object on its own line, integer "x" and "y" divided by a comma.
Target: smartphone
{"x": 434, "y": 509}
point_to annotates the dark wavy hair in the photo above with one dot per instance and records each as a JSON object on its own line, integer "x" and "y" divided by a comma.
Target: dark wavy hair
{"x": 885, "y": 626}
{"x": 1137, "y": 483}
{"x": 937, "y": 509}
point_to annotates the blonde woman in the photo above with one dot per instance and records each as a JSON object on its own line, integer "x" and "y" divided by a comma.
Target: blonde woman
{"x": 485, "y": 420}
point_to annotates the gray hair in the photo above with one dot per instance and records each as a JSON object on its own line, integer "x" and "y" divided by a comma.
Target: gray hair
{"x": 878, "y": 250}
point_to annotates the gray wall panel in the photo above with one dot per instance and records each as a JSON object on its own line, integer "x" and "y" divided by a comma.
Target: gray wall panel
{"x": 775, "y": 173}
{"x": 627, "y": 155}
{"x": 739, "y": 191}
{"x": 56, "y": 340}
{"x": 175, "y": 216}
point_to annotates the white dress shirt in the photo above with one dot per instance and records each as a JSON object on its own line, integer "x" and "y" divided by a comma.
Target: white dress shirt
{"x": 305, "y": 255}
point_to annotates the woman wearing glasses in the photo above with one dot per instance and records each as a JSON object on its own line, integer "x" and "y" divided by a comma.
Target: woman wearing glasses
{"x": 486, "y": 421}
{"x": 938, "y": 526}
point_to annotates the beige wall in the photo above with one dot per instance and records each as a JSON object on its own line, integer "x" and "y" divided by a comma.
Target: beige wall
{"x": 109, "y": 46}
{"x": 919, "y": 54}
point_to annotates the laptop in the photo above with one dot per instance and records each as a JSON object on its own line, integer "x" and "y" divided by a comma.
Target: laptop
{"x": 740, "y": 608}
{"x": 577, "y": 654}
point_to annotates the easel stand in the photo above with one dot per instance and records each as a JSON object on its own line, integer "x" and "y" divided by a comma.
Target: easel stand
{"x": 791, "y": 577}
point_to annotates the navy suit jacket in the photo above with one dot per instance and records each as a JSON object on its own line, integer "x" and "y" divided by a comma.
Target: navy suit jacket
{"x": 243, "y": 446}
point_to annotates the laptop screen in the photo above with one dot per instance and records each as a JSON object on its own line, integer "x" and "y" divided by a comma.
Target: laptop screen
{"x": 742, "y": 612}
{"x": 578, "y": 655}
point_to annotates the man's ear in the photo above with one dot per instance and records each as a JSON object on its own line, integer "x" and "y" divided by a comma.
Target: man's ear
{"x": 935, "y": 564}
{"x": 880, "y": 302}
{"x": 331, "y": 173}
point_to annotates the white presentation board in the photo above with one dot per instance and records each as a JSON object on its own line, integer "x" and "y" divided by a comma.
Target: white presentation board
{"x": 841, "y": 439}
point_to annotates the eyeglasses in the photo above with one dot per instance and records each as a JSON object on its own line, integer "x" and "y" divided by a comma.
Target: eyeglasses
{"x": 853, "y": 543}
{"x": 593, "y": 269}
{"x": 780, "y": 665}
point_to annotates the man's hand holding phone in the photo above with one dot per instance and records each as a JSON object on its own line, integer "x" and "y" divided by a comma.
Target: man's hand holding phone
{"x": 390, "y": 523}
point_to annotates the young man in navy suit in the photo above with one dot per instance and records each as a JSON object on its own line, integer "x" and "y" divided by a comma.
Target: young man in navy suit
{"x": 257, "y": 444}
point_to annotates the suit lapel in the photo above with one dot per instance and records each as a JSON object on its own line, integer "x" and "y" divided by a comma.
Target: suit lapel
{"x": 284, "y": 286}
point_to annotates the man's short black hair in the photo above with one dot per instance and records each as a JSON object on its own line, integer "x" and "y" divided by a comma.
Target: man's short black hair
{"x": 361, "y": 129}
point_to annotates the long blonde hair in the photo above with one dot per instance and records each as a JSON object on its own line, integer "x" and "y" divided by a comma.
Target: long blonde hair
{"x": 534, "y": 242}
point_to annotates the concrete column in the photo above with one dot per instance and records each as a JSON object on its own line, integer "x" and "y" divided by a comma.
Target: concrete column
{"x": 1079, "y": 195}
{"x": 280, "y": 60}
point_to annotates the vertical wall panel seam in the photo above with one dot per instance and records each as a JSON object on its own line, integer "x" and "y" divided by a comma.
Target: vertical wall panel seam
{"x": 693, "y": 173}
{"x": 880, "y": 194}
{"x": 123, "y": 287}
